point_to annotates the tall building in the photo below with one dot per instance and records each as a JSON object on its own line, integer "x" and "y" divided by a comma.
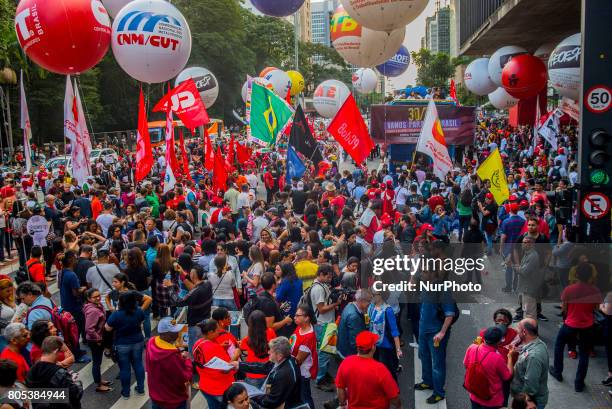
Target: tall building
{"x": 437, "y": 31}
{"x": 320, "y": 21}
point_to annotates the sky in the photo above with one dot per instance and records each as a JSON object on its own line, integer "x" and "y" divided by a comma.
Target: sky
{"x": 414, "y": 31}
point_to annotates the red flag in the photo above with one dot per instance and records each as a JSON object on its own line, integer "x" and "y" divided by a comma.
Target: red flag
{"x": 231, "y": 151}
{"x": 219, "y": 172}
{"x": 453, "y": 92}
{"x": 288, "y": 97}
{"x": 209, "y": 155}
{"x": 185, "y": 100}
{"x": 350, "y": 130}
{"x": 184, "y": 157}
{"x": 144, "y": 154}
{"x": 243, "y": 152}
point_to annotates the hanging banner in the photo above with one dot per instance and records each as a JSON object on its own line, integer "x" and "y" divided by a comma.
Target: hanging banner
{"x": 401, "y": 124}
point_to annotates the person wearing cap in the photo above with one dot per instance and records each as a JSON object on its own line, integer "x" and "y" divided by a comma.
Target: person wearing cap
{"x": 497, "y": 368}
{"x": 363, "y": 382}
{"x": 169, "y": 370}
{"x": 370, "y": 219}
{"x": 386, "y": 223}
{"x": 510, "y": 230}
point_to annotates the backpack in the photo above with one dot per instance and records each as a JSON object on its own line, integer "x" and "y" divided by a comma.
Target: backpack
{"x": 307, "y": 299}
{"x": 23, "y": 274}
{"x": 64, "y": 322}
{"x": 251, "y": 305}
{"x": 476, "y": 381}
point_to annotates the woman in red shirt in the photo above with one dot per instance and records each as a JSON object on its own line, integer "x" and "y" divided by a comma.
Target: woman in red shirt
{"x": 304, "y": 349}
{"x": 255, "y": 345}
{"x": 213, "y": 382}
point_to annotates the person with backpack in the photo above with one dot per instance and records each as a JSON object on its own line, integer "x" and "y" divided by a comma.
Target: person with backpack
{"x": 31, "y": 294}
{"x": 34, "y": 269}
{"x": 46, "y": 373}
{"x": 318, "y": 297}
{"x": 487, "y": 370}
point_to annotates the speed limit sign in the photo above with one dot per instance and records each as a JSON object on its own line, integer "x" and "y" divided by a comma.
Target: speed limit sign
{"x": 598, "y": 99}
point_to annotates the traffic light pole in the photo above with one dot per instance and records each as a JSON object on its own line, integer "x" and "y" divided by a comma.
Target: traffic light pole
{"x": 594, "y": 150}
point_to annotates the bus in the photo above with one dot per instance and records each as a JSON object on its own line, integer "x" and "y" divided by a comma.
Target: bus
{"x": 157, "y": 131}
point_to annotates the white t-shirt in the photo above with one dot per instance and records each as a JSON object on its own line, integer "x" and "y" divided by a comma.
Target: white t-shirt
{"x": 104, "y": 221}
{"x": 108, "y": 271}
{"x": 243, "y": 200}
{"x": 319, "y": 293}
{"x": 401, "y": 194}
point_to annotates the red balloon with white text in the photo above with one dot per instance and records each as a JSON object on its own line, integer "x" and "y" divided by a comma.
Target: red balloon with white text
{"x": 63, "y": 36}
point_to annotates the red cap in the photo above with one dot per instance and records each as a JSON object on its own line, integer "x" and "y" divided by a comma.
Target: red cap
{"x": 372, "y": 195}
{"x": 389, "y": 183}
{"x": 524, "y": 203}
{"x": 426, "y": 226}
{"x": 366, "y": 340}
{"x": 386, "y": 220}
{"x": 561, "y": 151}
{"x": 217, "y": 200}
{"x": 514, "y": 207}
{"x": 226, "y": 210}
{"x": 512, "y": 198}
{"x": 522, "y": 184}
{"x": 489, "y": 195}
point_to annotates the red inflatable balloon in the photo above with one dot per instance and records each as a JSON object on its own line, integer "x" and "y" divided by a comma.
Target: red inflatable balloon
{"x": 63, "y": 36}
{"x": 524, "y": 76}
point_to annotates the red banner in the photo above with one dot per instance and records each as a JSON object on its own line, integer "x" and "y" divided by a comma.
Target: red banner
{"x": 350, "y": 130}
{"x": 185, "y": 100}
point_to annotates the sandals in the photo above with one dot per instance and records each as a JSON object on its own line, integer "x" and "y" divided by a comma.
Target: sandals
{"x": 103, "y": 389}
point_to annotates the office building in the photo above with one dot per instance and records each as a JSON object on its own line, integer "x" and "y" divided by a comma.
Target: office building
{"x": 437, "y": 31}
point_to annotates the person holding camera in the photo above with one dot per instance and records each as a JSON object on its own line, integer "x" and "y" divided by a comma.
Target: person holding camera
{"x": 319, "y": 296}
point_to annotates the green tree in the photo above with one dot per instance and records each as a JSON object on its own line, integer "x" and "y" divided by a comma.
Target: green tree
{"x": 433, "y": 70}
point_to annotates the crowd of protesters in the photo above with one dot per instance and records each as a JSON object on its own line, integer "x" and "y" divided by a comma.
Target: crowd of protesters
{"x": 293, "y": 266}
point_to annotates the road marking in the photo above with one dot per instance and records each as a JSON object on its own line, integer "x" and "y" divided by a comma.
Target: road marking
{"x": 420, "y": 397}
{"x": 465, "y": 312}
{"x": 135, "y": 401}
{"x": 85, "y": 375}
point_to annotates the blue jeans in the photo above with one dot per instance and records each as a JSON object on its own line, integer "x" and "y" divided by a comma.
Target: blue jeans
{"x": 146, "y": 324}
{"x": 181, "y": 406}
{"x": 214, "y": 402}
{"x": 130, "y": 356}
{"x": 584, "y": 337}
{"x": 433, "y": 361}
{"x": 194, "y": 333}
{"x": 324, "y": 357}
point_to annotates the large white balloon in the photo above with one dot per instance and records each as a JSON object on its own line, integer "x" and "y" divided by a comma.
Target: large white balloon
{"x": 362, "y": 46}
{"x": 114, "y": 6}
{"x": 564, "y": 67}
{"x": 543, "y": 52}
{"x": 329, "y": 97}
{"x": 244, "y": 91}
{"x": 365, "y": 80}
{"x": 205, "y": 81}
{"x": 500, "y": 99}
{"x": 384, "y": 15}
{"x": 500, "y": 58}
{"x": 281, "y": 83}
{"x": 477, "y": 78}
{"x": 151, "y": 40}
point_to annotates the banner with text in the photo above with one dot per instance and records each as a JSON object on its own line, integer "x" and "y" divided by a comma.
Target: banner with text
{"x": 400, "y": 124}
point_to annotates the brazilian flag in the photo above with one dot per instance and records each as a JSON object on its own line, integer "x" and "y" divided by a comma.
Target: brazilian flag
{"x": 268, "y": 115}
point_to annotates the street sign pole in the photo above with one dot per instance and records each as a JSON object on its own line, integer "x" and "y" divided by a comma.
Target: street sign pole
{"x": 594, "y": 154}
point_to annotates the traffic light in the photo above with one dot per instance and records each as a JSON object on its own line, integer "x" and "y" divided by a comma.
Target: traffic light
{"x": 600, "y": 163}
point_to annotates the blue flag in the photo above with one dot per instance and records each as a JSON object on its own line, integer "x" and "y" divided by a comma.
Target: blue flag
{"x": 295, "y": 167}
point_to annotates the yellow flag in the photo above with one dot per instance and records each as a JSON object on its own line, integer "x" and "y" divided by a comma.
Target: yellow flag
{"x": 493, "y": 169}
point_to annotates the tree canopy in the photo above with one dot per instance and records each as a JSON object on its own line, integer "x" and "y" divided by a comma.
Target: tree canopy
{"x": 226, "y": 38}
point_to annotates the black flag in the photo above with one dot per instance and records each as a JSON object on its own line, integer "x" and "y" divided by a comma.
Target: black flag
{"x": 301, "y": 138}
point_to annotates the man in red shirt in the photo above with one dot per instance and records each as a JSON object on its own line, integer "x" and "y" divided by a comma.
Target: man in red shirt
{"x": 435, "y": 200}
{"x": 18, "y": 337}
{"x": 364, "y": 383}
{"x": 579, "y": 302}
